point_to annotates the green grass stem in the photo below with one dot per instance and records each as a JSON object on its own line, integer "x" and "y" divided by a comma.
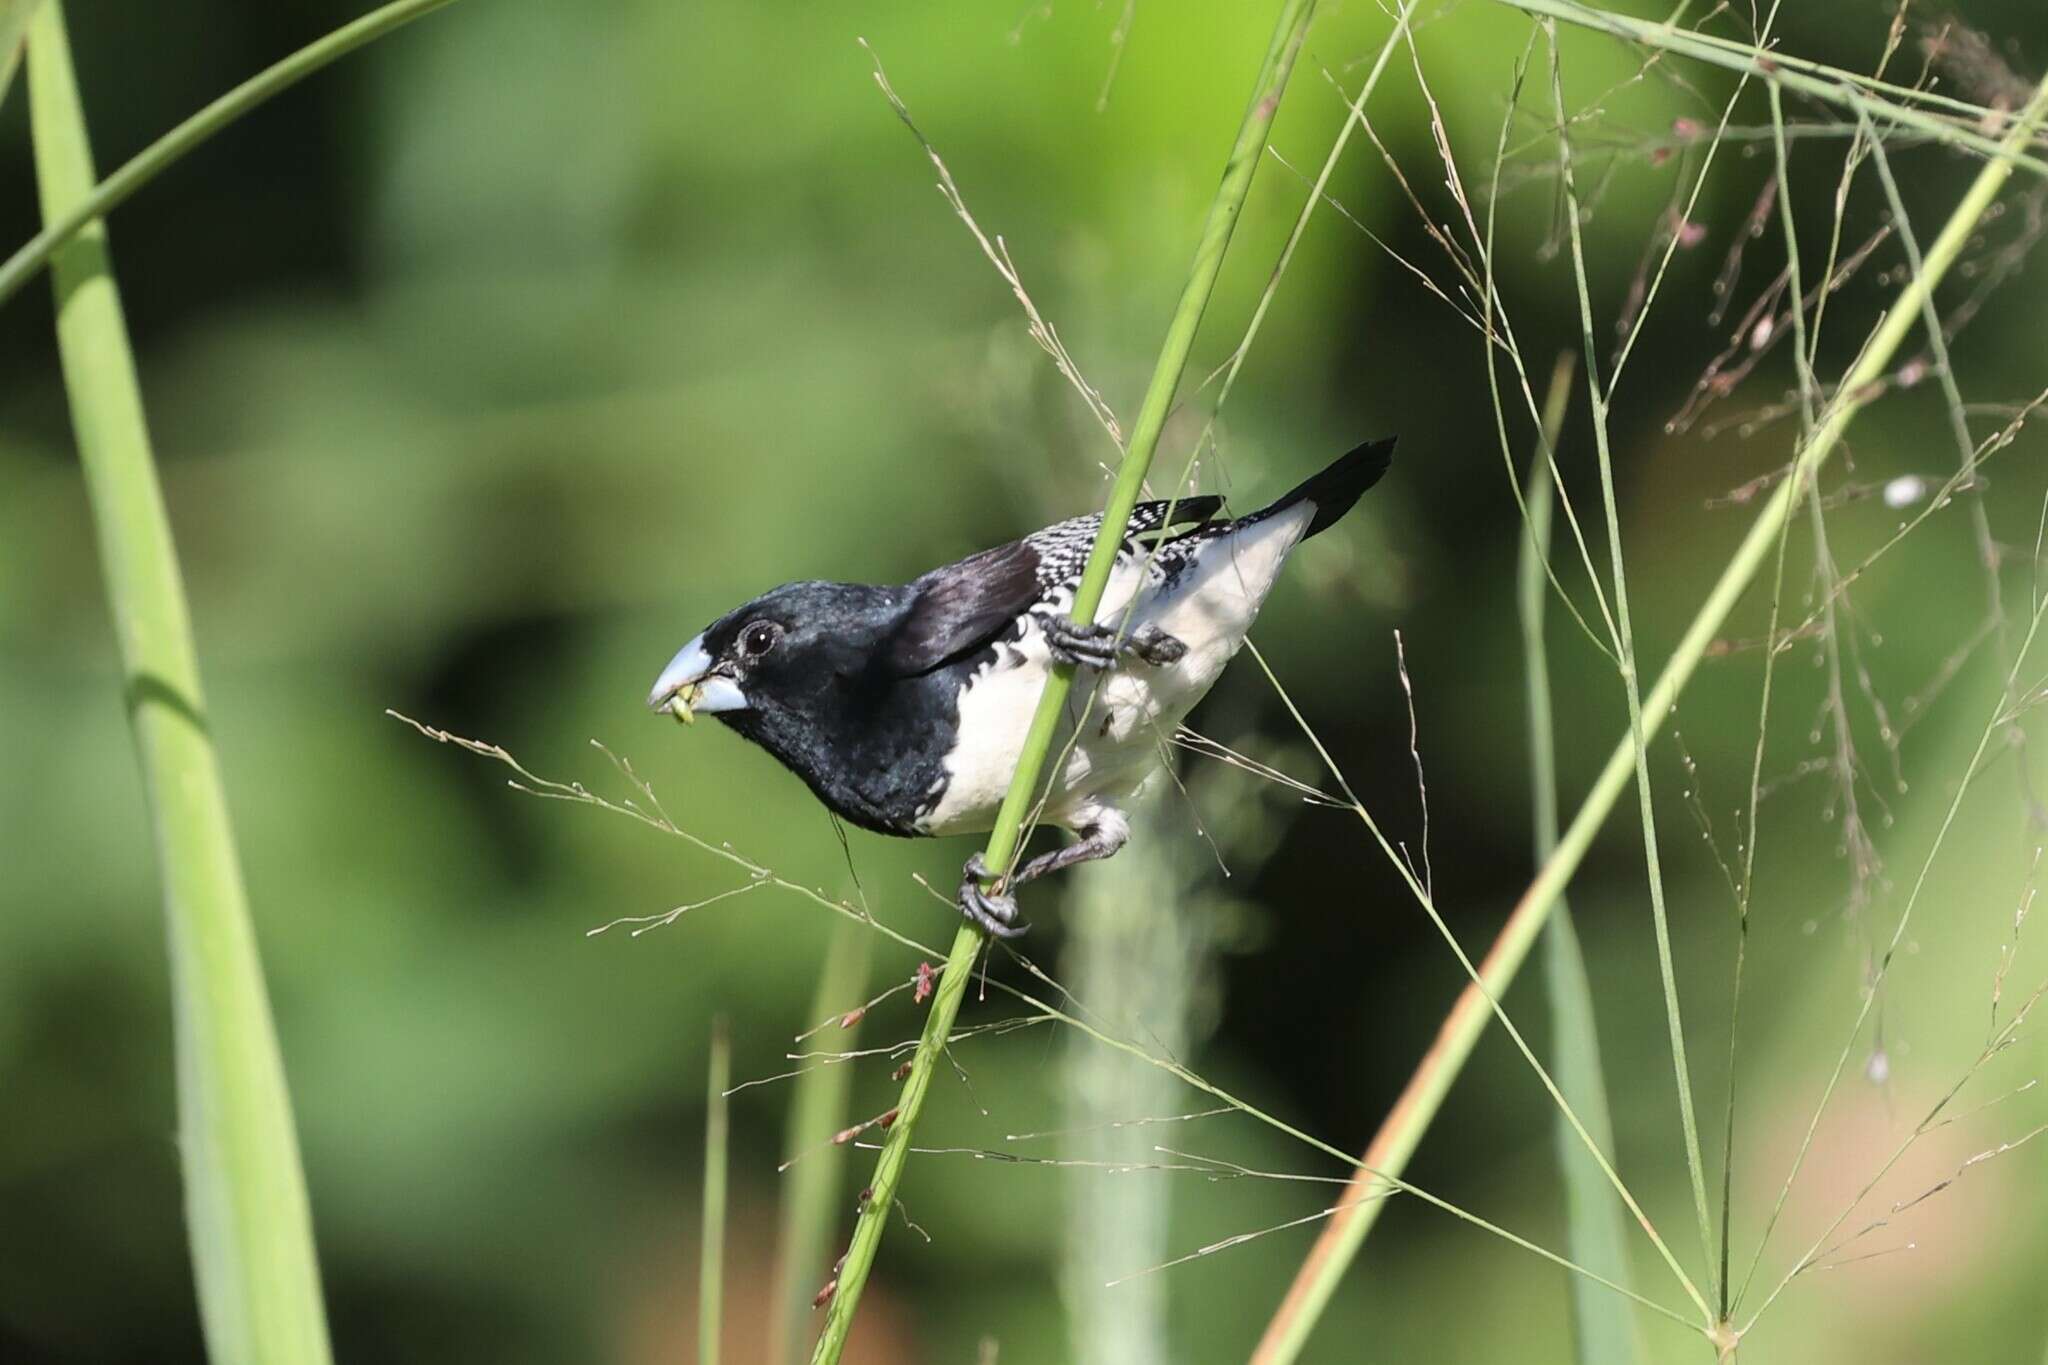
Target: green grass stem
{"x": 812, "y": 1186}
{"x": 1007, "y": 837}
{"x": 245, "y": 1195}
{"x": 102, "y": 198}
{"x": 1402, "y": 1131}
{"x": 1604, "y": 1326}
{"x": 1625, "y": 643}
{"x": 711, "y": 1254}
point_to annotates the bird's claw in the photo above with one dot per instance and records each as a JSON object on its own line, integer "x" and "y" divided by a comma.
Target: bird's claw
{"x": 1096, "y": 646}
{"x": 1155, "y": 646}
{"x": 994, "y": 911}
{"x": 1080, "y": 646}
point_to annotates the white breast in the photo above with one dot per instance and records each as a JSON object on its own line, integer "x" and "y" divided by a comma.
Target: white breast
{"x": 1209, "y": 606}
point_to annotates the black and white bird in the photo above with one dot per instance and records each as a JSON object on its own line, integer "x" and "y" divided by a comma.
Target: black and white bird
{"x": 904, "y": 708}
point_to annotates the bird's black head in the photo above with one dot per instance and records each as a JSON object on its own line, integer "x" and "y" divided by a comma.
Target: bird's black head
{"x": 783, "y": 668}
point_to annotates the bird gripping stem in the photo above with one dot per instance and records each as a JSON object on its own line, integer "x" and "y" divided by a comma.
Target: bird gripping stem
{"x": 1008, "y": 835}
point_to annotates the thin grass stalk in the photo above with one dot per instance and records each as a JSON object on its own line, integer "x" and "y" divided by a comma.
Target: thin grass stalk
{"x": 650, "y": 815}
{"x": 1006, "y": 838}
{"x": 160, "y": 155}
{"x": 711, "y": 1249}
{"x": 245, "y": 1195}
{"x": 1815, "y": 80}
{"x": 810, "y": 1200}
{"x": 1802, "y": 364}
{"x": 14, "y": 17}
{"x": 1630, "y": 675}
{"x": 1604, "y": 1327}
{"x": 1423, "y": 1096}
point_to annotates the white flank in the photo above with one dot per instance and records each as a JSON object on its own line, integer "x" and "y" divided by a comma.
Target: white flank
{"x": 1209, "y": 608}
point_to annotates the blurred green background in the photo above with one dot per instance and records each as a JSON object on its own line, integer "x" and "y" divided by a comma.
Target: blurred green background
{"x": 488, "y": 366}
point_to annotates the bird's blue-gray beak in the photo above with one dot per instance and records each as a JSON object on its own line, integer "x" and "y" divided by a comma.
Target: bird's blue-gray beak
{"x": 690, "y": 684}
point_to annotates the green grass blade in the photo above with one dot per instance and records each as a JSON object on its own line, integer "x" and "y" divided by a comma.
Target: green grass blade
{"x": 245, "y": 1196}
{"x": 711, "y": 1254}
{"x": 1401, "y": 1133}
{"x": 102, "y": 198}
{"x": 14, "y": 17}
{"x": 1604, "y": 1325}
{"x": 1007, "y": 837}
{"x": 810, "y": 1200}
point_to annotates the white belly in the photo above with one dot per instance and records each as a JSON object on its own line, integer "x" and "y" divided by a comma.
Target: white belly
{"x": 1113, "y": 743}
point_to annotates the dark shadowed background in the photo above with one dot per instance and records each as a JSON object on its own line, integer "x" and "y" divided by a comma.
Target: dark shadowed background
{"x": 488, "y": 366}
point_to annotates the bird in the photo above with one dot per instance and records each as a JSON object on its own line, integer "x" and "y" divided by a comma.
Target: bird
{"x": 904, "y": 707}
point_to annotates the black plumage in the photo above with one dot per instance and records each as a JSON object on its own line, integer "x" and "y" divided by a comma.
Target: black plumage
{"x": 903, "y": 707}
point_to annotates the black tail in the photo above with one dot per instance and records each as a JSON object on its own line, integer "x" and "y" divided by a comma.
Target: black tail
{"x": 1337, "y": 488}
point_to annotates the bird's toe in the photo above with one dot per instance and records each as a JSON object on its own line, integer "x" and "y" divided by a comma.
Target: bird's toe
{"x": 1090, "y": 646}
{"x": 994, "y": 911}
{"x": 995, "y": 914}
{"x": 1156, "y": 647}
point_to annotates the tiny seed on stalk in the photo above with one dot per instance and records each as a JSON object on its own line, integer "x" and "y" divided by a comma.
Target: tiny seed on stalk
{"x": 853, "y": 1016}
{"x": 900, "y": 1072}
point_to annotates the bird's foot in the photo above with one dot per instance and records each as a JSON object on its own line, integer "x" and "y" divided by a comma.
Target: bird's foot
{"x": 1096, "y": 646}
{"x": 1155, "y": 646}
{"x": 994, "y": 911}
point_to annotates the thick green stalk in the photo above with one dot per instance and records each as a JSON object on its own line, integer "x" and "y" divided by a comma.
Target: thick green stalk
{"x": 711, "y": 1248}
{"x": 1604, "y": 1325}
{"x": 810, "y": 1198}
{"x": 1402, "y": 1131}
{"x": 1007, "y": 837}
{"x": 160, "y": 155}
{"x": 245, "y": 1196}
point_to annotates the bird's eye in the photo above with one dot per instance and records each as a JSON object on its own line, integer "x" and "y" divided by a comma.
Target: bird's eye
{"x": 758, "y": 638}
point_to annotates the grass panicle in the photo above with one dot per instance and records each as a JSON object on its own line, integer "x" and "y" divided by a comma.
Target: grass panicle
{"x": 245, "y": 1195}
{"x": 1420, "y": 1100}
{"x": 1598, "y": 1257}
{"x": 1006, "y": 839}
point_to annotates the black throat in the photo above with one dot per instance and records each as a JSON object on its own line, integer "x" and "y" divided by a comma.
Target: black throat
{"x": 869, "y": 742}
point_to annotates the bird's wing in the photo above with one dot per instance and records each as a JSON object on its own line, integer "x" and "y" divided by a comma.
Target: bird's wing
{"x": 1189, "y": 514}
{"x": 962, "y": 606}
{"x": 1064, "y": 546}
